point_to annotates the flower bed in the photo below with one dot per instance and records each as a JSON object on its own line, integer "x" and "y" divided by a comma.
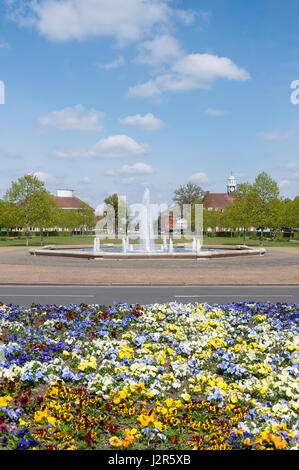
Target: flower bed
{"x": 158, "y": 377}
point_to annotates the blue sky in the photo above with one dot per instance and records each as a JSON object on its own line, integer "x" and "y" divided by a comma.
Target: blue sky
{"x": 106, "y": 96}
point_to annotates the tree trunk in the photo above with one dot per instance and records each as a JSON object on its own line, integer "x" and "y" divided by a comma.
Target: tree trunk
{"x": 244, "y": 236}
{"x": 27, "y": 237}
{"x": 41, "y": 235}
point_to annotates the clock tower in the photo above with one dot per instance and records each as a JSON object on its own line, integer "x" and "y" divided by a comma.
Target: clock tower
{"x": 231, "y": 185}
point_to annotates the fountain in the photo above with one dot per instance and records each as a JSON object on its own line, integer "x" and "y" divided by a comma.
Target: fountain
{"x": 147, "y": 243}
{"x": 165, "y": 246}
{"x": 96, "y": 245}
{"x": 147, "y": 248}
{"x": 194, "y": 244}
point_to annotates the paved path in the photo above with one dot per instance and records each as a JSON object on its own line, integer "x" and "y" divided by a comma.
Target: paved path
{"x": 62, "y": 295}
{"x": 279, "y": 266}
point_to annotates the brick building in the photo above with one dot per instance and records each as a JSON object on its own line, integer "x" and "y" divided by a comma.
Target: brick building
{"x": 218, "y": 201}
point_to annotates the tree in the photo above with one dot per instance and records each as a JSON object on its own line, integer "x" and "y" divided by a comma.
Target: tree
{"x": 211, "y": 218}
{"x": 188, "y": 194}
{"x": 8, "y": 215}
{"x": 230, "y": 217}
{"x": 266, "y": 188}
{"x": 120, "y": 210}
{"x": 241, "y": 212}
{"x": 86, "y": 216}
{"x": 68, "y": 218}
{"x": 264, "y": 191}
{"x": 32, "y": 201}
{"x": 257, "y": 204}
{"x": 290, "y": 214}
{"x": 45, "y": 213}
{"x": 295, "y": 213}
{"x": 275, "y": 214}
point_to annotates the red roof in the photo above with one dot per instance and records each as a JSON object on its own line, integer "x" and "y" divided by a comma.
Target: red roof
{"x": 219, "y": 200}
{"x": 68, "y": 202}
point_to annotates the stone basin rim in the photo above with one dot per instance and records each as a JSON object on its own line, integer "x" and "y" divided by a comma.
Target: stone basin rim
{"x": 224, "y": 251}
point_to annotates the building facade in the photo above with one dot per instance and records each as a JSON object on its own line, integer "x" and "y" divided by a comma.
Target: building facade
{"x": 219, "y": 201}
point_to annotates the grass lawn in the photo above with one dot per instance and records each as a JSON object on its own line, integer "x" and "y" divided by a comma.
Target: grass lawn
{"x": 88, "y": 240}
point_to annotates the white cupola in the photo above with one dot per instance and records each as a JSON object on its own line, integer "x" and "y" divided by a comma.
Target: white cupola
{"x": 231, "y": 184}
{"x": 65, "y": 193}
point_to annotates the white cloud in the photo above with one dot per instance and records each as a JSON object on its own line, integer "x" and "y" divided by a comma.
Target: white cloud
{"x": 187, "y": 16}
{"x": 118, "y": 62}
{"x": 162, "y": 49}
{"x": 138, "y": 168}
{"x": 62, "y": 20}
{"x": 118, "y": 146}
{"x": 145, "y": 90}
{"x": 74, "y": 119}
{"x": 42, "y": 176}
{"x": 284, "y": 183}
{"x": 215, "y": 112}
{"x": 148, "y": 122}
{"x": 114, "y": 146}
{"x": 276, "y": 136}
{"x": 199, "y": 178}
{"x": 190, "y": 72}
{"x": 205, "y": 68}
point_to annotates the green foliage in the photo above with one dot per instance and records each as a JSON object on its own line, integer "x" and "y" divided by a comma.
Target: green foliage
{"x": 119, "y": 209}
{"x": 212, "y": 219}
{"x": 256, "y": 204}
{"x": 86, "y": 216}
{"x": 34, "y": 206}
{"x": 8, "y": 215}
{"x": 69, "y": 219}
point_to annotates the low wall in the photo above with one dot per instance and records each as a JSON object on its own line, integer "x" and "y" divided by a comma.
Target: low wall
{"x": 221, "y": 252}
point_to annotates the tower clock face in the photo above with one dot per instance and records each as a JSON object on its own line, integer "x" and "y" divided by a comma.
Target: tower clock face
{"x": 232, "y": 189}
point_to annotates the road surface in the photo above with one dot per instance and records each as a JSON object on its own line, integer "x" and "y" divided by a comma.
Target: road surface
{"x": 106, "y": 295}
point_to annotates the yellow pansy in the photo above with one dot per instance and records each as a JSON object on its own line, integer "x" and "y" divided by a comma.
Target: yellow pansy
{"x": 39, "y": 415}
{"x": 52, "y": 420}
{"x": 115, "y": 441}
{"x": 123, "y": 394}
{"x": 145, "y": 419}
{"x": 233, "y": 397}
{"x": 5, "y": 400}
{"x": 158, "y": 425}
{"x": 186, "y": 396}
{"x": 168, "y": 402}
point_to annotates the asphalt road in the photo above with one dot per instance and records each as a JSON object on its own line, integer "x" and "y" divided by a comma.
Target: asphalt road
{"x": 106, "y": 295}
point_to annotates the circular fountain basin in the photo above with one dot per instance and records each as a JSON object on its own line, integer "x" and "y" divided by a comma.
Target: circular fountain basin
{"x": 179, "y": 252}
